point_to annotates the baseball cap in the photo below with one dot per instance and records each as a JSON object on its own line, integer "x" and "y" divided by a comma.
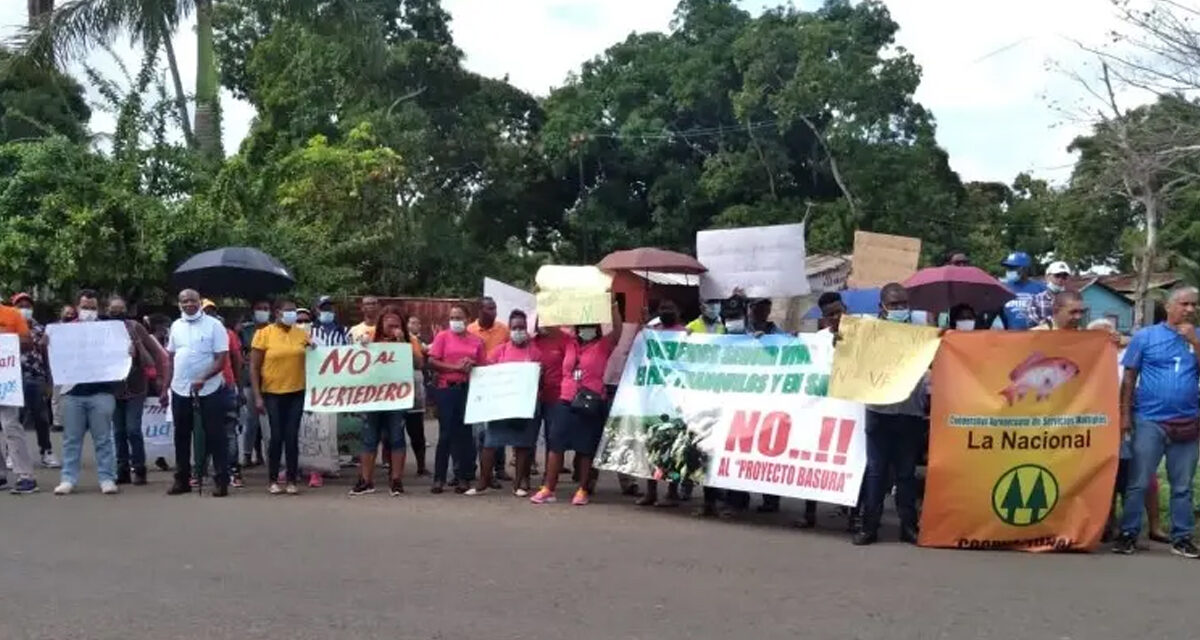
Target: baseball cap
{"x": 207, "y": 304}
{"x": 1016, "y": 259}
{"x": 17, "y": 297}
{"x": 1057, "y": 268}
{"x": 324, "y": 300}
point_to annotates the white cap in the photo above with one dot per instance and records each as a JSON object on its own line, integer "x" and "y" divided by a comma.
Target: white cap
{"x": 1056, "y": 268}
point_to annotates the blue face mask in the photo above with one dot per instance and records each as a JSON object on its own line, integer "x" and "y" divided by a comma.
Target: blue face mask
{"x": 325, "y": 317}
{"x": 288, "y": 318}
{"x": 899, "y": 315}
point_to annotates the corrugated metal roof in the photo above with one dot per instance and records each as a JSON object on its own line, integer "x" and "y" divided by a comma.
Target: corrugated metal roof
{"x": 819, "y": 263}
{"x": 669, "y": 279}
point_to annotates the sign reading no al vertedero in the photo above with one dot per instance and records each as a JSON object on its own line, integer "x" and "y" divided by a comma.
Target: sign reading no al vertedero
{"x": 375, "y": 377}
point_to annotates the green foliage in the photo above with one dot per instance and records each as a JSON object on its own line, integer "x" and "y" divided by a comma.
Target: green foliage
{"x": 36, "y": 102}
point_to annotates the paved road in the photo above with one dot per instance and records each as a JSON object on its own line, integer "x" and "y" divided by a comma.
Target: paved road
{"x": 322, "y": 565}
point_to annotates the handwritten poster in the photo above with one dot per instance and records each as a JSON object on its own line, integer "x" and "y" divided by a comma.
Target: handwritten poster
{"x": 158, "y": 430}
{"x": 12, "y": 394}
{"x": 319, "y": 442}
{"x": 559, "y": 307}
{"x": 508, "y": 297}
{"x": 82, "y": 352}
{"x": 880, "y": 258}
{"x": 767, "y": 262}
{"x": 880, "y": 362}
{"x": 375, "y": 377}
{"x": 503, "y": 391}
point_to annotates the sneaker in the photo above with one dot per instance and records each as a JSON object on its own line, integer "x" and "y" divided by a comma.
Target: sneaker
{"x": 64, "y": 488}
{"x": 1182, "y": 547}
{"x": 362, "y": 488}
{"x": 49, "y": 461}
{"x": 543, "y": 496}
{"x": 236, "y": 481}
{"x": 581, "y": 497}
{"x": 161, "y": 464}
{"x": 3, "y": 482}
{"x": 475, "y": 492}
{"x": 108, "y": 487}
{"x": 139, "y": 477}
{"x": 1126, "y": 545}
{"x": 274, "y": 489}
{"x": 179, "y": 488}
{"x": 864, "y": 538}
{"x": 221, "y": 491}
{"x": 315, "y": 481}
{"x": 25, "y": 486}
{"x": 521, "y": 493}
{"x": 8, "y": 463}
{"x": 291, "y": 489}
{"x": 397, "y": 487}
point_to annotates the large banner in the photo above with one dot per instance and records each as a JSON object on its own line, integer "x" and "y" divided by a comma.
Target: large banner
{"x": 503, "y": 391}
{"x": 1023, "y": 444}
{"x": 12, "y": 393}
{"x": 82, "y": 352}
{"x": 736, "y": 412}
{"x": 375, "y": 377}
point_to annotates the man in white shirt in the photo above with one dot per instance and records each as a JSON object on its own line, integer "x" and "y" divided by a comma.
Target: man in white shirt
{"x": 199, "y": 346}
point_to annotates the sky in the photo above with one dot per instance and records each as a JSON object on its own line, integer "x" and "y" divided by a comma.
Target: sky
{"x": 994, "y": 72}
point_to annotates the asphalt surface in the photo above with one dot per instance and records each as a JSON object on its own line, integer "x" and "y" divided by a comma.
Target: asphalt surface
{"x": 322, "y": 565}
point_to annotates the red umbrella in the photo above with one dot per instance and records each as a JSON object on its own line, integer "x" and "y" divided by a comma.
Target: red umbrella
{"x": 651, "y": 259}
{"x": 937, "y": 289}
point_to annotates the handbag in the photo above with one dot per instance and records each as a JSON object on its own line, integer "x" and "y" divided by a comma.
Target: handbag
{"x": 587, "y": 402}
{"x": 1182, "y": 430}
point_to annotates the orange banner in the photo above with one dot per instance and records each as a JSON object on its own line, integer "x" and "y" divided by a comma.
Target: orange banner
{"x": 1023, "y": 441}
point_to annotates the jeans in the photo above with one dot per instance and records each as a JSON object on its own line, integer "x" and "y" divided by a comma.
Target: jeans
{"x": 14, "y": 438}
{"x": 454, "y": 436}
{"x": 1150, "y": 442}
{"x": 127, "y": 431}
{"x": 37, "y": 413}
{"x": 82, "y": 414}
{"x": 284, "y": 411}
{"x": 893, "y": 443}
{"x": 212, "y": 415}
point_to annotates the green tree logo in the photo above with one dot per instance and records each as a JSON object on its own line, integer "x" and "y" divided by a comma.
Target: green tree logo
{"x": 1025, "y": 495}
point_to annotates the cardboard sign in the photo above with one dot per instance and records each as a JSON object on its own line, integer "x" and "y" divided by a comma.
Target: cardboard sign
{"x": 82, "y": 352}
{"x": 503, "y": 391}
{"x": 557, "y": 276}
{"x": 12, "y": 392}
{"x": 880, "y": 258}
{"x": 375, "y": 377}
{"x": 880, "y": 362}
{"x": 318, "y": 442}
{"x": 507, "y": 298}
{"x": 766, "y": 262}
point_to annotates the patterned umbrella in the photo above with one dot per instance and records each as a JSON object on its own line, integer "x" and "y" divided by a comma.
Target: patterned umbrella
{"x": 936, "y": 289}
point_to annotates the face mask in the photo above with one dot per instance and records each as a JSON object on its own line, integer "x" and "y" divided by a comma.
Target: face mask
{"x": 1054, "y": 287}
{"x": 87, "y": 315}
{"x": 1011, "y": 275}
{"x": 519, "y": 336}
{"x": 261, "y": 317}
{"x": 668, "y": 318}
{"x": 737, "y": 325}
{"x": 27, "y": 313}
{"x": 325, "y": 317}
{"x": 458, "y": 326}
{"x": 964, "y": 325}
{"x": 899, "y": 315}
{"x": 189, "y": 317}
{"x": 288, "y": 318}
{"x": 712, "y": 310}
{"x": 587, "y": 334}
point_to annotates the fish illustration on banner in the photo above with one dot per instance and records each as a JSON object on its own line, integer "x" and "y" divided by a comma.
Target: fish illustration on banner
{"x": 1041, "y": 374}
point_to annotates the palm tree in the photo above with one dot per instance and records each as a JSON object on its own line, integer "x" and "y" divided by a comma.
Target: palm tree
{"x": 38, "y": 8}
{"x": 79, "y": 25}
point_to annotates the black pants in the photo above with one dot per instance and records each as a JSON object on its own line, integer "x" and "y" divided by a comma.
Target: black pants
{"x": 414, "y": 425}
{"x": 893, "y": 447}
{"x": 212, "y": 422}
{"x": 284, "y": 411}
{"x": 37, "y": 414}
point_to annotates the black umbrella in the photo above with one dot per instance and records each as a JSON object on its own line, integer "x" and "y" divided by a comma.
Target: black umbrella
{"x": 241, "y": 272}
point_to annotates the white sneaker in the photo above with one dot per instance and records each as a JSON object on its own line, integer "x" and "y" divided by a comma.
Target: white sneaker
{"x": 63, "y": 489}
{"x": 49, "y": 461}
{"x": 475, "y": 492}
{"x": 274, "y": 489}
{"x": 8, "y": 462}
{"x": 108, "y": 487}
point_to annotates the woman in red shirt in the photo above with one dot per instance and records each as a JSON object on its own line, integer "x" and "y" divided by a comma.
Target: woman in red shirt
{"x": 579, "y": 418}
{"x": 453, "y": 353}
{"x": 518, "y": 433}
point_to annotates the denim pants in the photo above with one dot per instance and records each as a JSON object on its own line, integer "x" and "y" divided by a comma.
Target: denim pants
{"x": 1150, "y": 443}
{"x": 82, "y": 414}
{"x": 893, "y": 443}
{"x": 454, "y": 435}
{"x": 37, "y": 413}
{"x": 127, "y": 432}
{"x": 478, "y": 431}
{"x": 212, "y": 416}
{"x": 284, "y": 412}
{"x": 14, "y": 439}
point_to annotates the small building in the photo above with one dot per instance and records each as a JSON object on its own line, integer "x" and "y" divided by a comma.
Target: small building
{"x": 1102, "y": 301}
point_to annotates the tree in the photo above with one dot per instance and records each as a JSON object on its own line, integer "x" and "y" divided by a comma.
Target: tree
{"x": 1037, "y": 498}
{"x": 37, "y": 102}
{"x": 1013, "y": 499}
{"x": 38, "y": 8}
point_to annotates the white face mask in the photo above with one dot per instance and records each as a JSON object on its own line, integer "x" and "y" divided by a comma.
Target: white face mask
{"x": 587, "y": 334}
{"x": 736, "y": 325}
{"x": 288, "y": 318}
{"x": 1054, "y": 287}
{"x": 1011, "y": 275}
{"x": 325, "y": 317}
{"x": 520, "y": 336}
{"x": 458, "y": 326}
{"x": 712, "y": 310}
{"x": 261, "y": 317}
{"x": 964, "y": 325}
{"x": 27, "y": 313}
{"x": 88, "y": 315}
{"x": 189, "y": 317}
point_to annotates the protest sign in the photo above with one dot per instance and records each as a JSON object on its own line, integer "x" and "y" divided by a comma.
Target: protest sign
{"x": 502, "y": 391}
{"x": 558, "y": 307}
{"x": 1023, "y": 442}
{"x": 318, "y": 442}
{"x": 764, "y": 261}
{"x": 508, "y": 297}
{"x": 82, "y": 352}
{"x": 558, "y": 276}
{"x": 880, "y": 258}
{"x": 375, "y": 377}
{"x": 736, "y": 412}
{"x": 12, "y": 393}
{"x": 880, "y": 362}
{"x": 158, "y": 430}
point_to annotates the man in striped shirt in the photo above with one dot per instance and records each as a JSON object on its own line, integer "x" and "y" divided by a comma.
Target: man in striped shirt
{"x": 326, "y": 332}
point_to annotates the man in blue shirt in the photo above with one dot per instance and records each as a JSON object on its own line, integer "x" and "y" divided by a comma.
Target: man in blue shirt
{"x": 1016, "y": 278}
{"x": 1160, "y": 400}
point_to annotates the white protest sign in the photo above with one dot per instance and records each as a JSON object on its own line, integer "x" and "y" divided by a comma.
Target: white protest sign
{"x": 12, "y": 393}
{"x": 767, "y": 262}
{"x": 318, "y": 441}
{"x": 82, "y": 352}
{"x": 508, "y": 297}
{"x": 503, "y": 391}
{"x": 158, "y": 430}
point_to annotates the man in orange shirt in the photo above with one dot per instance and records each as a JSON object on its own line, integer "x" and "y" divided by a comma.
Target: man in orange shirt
{"x": 11, "y": 321}
{"x": 493, "y": 333}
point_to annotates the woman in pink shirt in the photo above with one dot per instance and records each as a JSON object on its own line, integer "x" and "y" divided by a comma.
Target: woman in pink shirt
{"x": 453, "y": 353}
{"x": 518, "y": 433}
{"x": 579, "y": 417}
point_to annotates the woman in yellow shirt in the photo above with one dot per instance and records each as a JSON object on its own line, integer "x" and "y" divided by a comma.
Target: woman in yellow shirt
{"x": 277, "y": 377}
